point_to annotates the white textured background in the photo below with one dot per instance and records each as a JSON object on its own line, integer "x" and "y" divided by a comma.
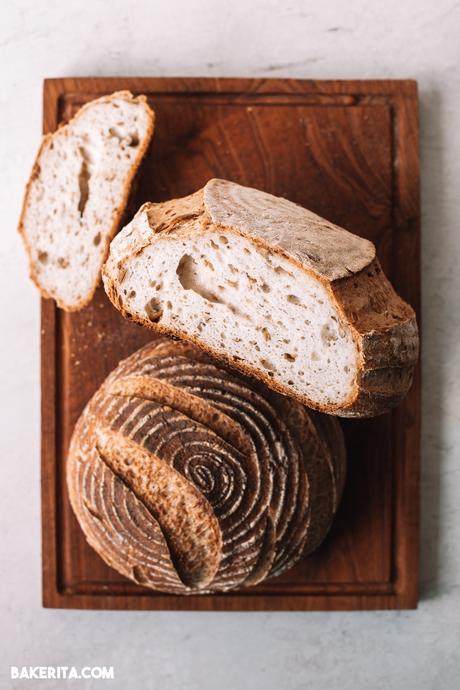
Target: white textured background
{"x": 322, "y": 39}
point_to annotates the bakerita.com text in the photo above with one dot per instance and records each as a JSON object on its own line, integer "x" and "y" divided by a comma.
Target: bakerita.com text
{"x": 62, "y": 672}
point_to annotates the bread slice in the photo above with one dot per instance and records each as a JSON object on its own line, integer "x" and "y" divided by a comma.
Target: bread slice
{"x": 272, "y": 289}
{"x": 77, "y": 193}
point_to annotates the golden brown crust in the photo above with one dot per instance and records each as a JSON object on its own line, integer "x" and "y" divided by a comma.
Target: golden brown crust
{"x": 117, "y": 217}
{"x": 185, "y": 516}
{"x": 186, "y": 477}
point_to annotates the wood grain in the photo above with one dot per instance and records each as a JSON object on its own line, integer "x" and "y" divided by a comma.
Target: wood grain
{"x": 347, "y": 150}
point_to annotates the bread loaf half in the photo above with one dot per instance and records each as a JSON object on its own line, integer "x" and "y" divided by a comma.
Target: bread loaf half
{"x": 77, "y": 193}
{"x": 272, "y": 289}
{"x": 187, "y": 477}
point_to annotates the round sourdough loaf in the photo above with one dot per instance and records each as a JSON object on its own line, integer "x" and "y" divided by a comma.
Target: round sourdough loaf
{"x": 187, "y": 477}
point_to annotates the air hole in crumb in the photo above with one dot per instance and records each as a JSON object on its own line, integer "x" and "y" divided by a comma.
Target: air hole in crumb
{"x": 290, "y": 383}
{"x": 62, "y": 263}
{"x": 43, "y": 257}
{"x": 265, "y": 287}
{"x": 328, "y": 336}
{"x": 266, "y": 334}
{"x": 294, "y": 300}
{"x": 208, "y": 264}
{"x": 267, "y": 364}
{"x": 97, "y": 239}
{"x": 315, "y": 356}
{"x": 289, "y": 357}
{"x": 213, "y": 244}
{"x": 153, "y": 310}
{"x": 169, "y": 304}
{"x": 346, "y": 369}
{"x": 134, "y": 140}
{"x": 187, "y": 272}
{"x": 280, "y": 270}
{"x": 131, "y": 294}
{"x": 223, "y": 239}
{"x": 83, "y": 181}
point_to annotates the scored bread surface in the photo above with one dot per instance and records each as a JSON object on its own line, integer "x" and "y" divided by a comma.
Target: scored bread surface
{"x": 272, "y": 289}
{"x": 77, "y": 193}
{"x": 187, "y": 477}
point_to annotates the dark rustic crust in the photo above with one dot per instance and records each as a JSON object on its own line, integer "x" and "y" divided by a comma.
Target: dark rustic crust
{"x": 116, "y": 218}
{"x": 318, "y": 447}
{"x": 382, "y": 324}
{"x": 386, "y": 332}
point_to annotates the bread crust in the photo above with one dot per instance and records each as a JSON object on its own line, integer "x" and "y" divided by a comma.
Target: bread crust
{"x": 254, "y": 483}
{"x": 382, "y": 325}
{"x": 117, "y": 217}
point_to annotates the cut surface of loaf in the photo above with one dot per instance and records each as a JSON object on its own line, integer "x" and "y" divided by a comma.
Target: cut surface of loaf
{"x": 188, "y": 477}
{"x": 77, "y": 193}
{"x": 272, "y": 289}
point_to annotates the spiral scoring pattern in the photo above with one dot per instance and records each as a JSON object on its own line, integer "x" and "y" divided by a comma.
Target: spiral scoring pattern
{"x": 187, "y": 477}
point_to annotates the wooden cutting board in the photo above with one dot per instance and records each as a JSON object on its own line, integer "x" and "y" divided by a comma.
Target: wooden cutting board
{"x": 347, "y": 150}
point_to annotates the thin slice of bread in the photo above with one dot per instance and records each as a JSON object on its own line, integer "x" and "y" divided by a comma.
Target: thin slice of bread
{"x": 272, "y": 289}
{"x": 77, "y": 194}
